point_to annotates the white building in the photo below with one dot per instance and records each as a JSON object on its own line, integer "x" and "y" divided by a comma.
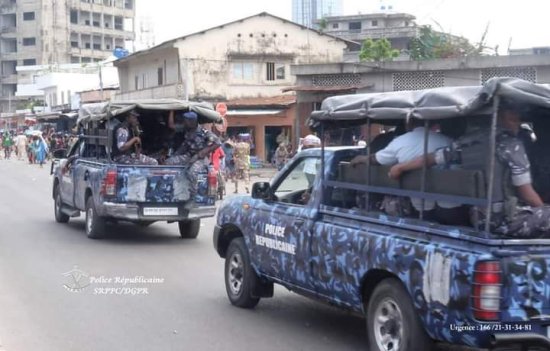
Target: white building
{"x": 58, "y": 85}
{"x": 306, "y": 12}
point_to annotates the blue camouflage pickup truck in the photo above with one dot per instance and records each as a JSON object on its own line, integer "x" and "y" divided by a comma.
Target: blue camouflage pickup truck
{"x": 86, "y": 179}
{"x": 416, "y": 281}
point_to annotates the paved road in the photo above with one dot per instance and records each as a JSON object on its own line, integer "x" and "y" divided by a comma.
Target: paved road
{"x": 186, "y": 309}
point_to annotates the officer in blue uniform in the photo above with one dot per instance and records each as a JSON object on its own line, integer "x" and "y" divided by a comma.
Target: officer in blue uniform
{"x": 194, "y": 152}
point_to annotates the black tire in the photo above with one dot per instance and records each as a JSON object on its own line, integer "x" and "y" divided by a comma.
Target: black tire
{"x": 60, "y": 217}
{"x": 391, "y": 313}
{"x": 95, "y": 225}
{"x": 240, "y": 278}
{"x": 189, "y": 229}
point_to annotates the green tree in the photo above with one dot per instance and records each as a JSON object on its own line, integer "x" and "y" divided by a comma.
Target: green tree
{"x": 377, "y": 50}
{"x": 323, "y": 24}
{"x": 431, "y": 44}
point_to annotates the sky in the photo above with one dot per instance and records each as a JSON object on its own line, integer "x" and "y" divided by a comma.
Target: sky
{"x": 519, "y": 23}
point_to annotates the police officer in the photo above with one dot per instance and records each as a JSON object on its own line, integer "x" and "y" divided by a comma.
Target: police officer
{"x": 198, "y": 143}
{"x": 517, "y": 209}
{"x": 127, "y": 148}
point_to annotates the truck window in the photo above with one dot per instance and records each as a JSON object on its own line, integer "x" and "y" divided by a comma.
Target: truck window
{"x": 296, "y": 187}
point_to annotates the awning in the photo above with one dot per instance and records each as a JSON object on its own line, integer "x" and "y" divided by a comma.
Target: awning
{"x": 262, "y": 112}
{"x": 314, "y": 88}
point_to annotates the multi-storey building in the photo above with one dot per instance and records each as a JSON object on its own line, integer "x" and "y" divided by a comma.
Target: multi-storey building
{"x": 307, "y": 12}
{"x": 51, "y": 32}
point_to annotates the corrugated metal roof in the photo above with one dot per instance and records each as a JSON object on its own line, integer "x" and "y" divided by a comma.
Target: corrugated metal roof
{"x": 274, "y": 101}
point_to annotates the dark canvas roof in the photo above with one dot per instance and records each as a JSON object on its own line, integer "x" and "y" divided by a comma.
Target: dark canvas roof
{"x": 100, "y": 111}
{"x": 430, "y": 104}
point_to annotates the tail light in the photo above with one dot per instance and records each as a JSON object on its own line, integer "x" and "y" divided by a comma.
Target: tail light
{"x": 486, "y": 291}
{"x": 108, "y": 188}
{"x": 212, "y": 181}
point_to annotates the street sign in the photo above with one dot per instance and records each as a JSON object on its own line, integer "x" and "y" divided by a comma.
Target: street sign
{"x": 221, "y": 108}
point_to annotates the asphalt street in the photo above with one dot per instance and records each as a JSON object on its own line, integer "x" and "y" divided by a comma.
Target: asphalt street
{"x": 138, "y": 289}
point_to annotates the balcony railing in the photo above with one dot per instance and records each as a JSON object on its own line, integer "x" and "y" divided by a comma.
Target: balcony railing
{"x": 375, "y": 33}
{"x": 8, "y": 29}
{"x": 7, "y": 9}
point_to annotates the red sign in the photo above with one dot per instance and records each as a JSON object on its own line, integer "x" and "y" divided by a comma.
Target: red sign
{"x": 221, "y": 108}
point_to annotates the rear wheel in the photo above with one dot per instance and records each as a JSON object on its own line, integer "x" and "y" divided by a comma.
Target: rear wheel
{"x": 189, "y": 229}
{"x": 240, "y": 278}
{"x": 392, "y": 322}
{"x": 60, "y": 217}
{"x": 95, "y": 225}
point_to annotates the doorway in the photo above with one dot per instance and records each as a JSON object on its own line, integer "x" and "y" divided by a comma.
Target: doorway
{"x": 273, "y": 136}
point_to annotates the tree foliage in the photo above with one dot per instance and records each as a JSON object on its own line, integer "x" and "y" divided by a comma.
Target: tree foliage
{"x": 431, "y": 44}
{"x": 377, "y": 50}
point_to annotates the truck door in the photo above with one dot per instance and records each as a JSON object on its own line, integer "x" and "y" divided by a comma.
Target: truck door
{"x": 281, "y": 238}
{"x": 68, "y": 183}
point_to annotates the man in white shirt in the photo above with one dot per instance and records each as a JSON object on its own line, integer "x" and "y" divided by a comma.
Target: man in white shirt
{"x": 408, "y": 147}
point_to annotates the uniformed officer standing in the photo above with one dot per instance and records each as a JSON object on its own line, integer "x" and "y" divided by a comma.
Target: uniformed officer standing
{"x": 241, "y": 157}
{"x": 198, "y": 143}
{"x": 127, "y": 148}
{"x": 517, "y": 209}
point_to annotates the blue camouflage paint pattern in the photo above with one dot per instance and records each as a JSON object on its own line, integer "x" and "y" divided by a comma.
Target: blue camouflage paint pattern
{"x": 337, "y": 248}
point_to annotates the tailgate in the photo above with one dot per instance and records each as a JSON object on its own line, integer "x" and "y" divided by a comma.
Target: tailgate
{"x": 526, "y": 288}
{"x": 159, "y": 185}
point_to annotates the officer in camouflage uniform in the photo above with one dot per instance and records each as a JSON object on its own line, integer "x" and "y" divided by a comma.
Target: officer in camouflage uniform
{"x": 195, "y": 150}
{"x": 241, "y": 157}
{"x": 127, "y": 143}
{"x": 517, "y": 209}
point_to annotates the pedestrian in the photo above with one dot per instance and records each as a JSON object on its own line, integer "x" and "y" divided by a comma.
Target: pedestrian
{"x": 281, "y": 155}
{"x": 40, "y": 150}
{"x": 241, "y": 156}
{"x": 21, "y": 144}
{"x": 7, "y": 143}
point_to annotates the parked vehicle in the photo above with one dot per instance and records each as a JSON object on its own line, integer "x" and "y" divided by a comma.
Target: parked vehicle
{"x": 87, "y": 179}
{"x": 414, "y": 279}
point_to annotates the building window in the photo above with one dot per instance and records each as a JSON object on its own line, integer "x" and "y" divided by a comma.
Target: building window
{"x": 280, "y": 72}
{"x": 406, "y": 23}
{"x": 335, "y": 26}
{"x": 144, "y": 81}
{"x": 242, "y": 70}
{"x": 87, "y": 45}
{"x": 136, "y": 83}
{"x": 270, "y": 70}
{"x": 29, "y": 62}
{"x": 355, "y": 26}
{"x": 29, "y": 41}
{"x": 28, "y": 16}
{"x": 74, "y": 44}
{"x": 74, "y": 17}
{"x": 97, "y": 46}
{"x": 374, "y": 23}
{"x": 160, "y": 76}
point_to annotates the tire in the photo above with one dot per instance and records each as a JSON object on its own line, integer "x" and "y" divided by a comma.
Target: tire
{"x": 392, "y": 322}
{"x": 240, "y": 278}
{"x": 60, "y": 217}
{"x": 95, "y": 225}
{"x": 189, "y": 229}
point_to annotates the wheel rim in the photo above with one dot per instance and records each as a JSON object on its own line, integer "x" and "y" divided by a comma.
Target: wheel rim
{"x": 388, "y": 325}
{"x": 89, "y": 220}
{"x": 236, "y": 273}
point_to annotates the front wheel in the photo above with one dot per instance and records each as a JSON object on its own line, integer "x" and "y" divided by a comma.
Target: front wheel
{"x": 60, "y": 217}
{"x": 392, "y": 322}
{"x": 240, "y": 278}
{"x": 189, "y": 229}
{"x": 95, "y": 225}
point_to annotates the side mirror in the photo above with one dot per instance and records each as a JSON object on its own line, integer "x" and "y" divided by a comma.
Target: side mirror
{"x": 261, "y": 190}
{"x": 60, "y": 153}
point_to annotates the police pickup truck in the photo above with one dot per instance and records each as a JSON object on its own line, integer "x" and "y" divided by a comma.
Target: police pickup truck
{"x": 415, "y": 280}
{"x": 87, "y": 179}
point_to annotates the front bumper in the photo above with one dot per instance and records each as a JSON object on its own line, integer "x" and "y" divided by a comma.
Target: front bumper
{"x": 523, "y": 341}
{"x": 134, "y": 212}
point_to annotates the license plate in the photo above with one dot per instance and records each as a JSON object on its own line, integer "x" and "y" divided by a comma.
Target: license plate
{"x": 160, "y": 211}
